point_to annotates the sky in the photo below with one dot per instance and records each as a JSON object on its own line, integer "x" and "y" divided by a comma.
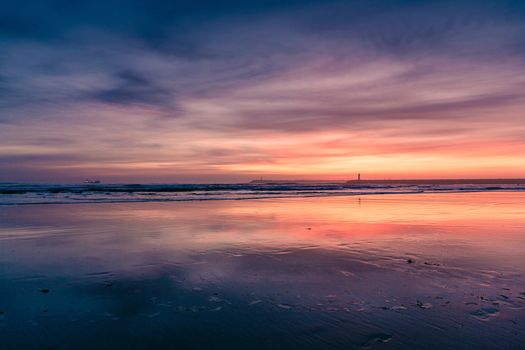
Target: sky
{"x": 230, "y": 91}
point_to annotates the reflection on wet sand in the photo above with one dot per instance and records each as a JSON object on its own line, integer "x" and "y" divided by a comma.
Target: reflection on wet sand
{"x": 428, "y": 271}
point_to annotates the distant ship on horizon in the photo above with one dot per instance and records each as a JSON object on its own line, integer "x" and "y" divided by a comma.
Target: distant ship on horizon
{"x": 90, "y": 181}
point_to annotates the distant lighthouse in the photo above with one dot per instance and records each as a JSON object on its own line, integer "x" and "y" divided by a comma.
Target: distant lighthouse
{"x": 359, "y": 177}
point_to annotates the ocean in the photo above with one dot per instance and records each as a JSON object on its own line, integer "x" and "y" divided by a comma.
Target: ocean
{"x": 20, "y": 193}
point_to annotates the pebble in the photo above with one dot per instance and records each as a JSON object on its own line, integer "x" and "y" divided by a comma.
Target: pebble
{"x": 398, "y": 307}
{"x": 376, "y": 338}
{"x": 423, "y": 305}
{"x": 484, "y": 314}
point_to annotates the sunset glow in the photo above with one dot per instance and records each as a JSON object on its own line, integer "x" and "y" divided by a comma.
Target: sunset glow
{"x": 262, "y": 174}
{"x": 427, "y": 90}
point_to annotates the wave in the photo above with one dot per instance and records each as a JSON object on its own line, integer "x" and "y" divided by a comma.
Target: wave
{"x": 20, "y": 194}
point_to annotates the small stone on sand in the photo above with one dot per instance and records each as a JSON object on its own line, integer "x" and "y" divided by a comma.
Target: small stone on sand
{"x": 484, "y": 314}
{"x": 376, "y": 338}
{"x": 398, "y": 307}
{"x": 423, "y": 305}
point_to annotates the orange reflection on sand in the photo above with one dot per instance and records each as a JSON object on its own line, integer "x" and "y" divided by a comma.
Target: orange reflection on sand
{"x": 379, "y": 220}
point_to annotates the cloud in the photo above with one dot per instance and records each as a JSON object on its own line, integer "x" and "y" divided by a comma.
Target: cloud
{"x": 133, "y": 88}
{"x": 204, "y": 87}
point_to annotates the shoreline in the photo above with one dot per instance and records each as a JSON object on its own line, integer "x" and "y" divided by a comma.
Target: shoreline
{"x": 255, "y": 198}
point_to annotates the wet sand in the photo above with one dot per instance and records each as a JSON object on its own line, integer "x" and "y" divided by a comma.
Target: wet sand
{"x": 419, "y": 271}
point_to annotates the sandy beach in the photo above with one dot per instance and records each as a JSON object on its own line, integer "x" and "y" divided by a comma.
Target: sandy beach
{"x": 419, "y": 271}
{"x": 262, "y": 175}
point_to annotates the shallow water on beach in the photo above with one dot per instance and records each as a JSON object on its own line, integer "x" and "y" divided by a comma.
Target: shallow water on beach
{"x": 418, "y": 271}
